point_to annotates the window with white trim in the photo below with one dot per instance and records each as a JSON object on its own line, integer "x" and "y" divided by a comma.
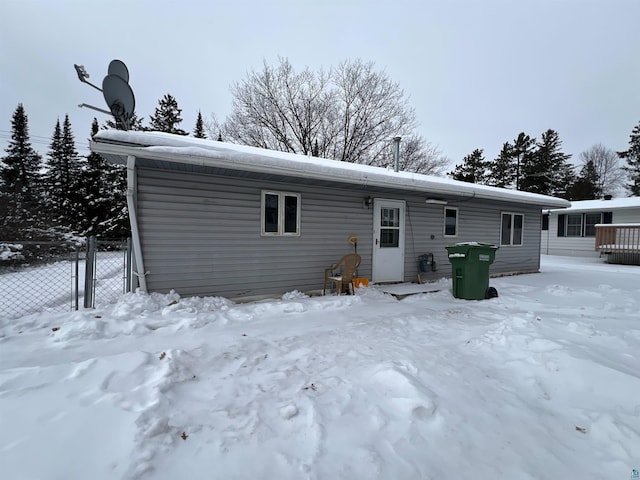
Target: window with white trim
{"x": 581, "y": 224}
{"x": 280, "y": 213}
{"x": 450, "y": 221}
{"x": 511, "y": 229}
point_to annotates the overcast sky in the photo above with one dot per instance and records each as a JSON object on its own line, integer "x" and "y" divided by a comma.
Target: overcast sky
{"x": 476, "y": 72}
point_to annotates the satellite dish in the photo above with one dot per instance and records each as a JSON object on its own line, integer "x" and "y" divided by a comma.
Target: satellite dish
{"x": 119, "y": 97}
{"x": 116, "y": 67}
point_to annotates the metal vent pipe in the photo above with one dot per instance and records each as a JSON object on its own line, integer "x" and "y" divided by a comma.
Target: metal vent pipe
{"x": 396, "y": 152}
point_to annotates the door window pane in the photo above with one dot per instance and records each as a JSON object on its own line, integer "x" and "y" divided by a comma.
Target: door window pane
{"x": 390, "y": 217}
{"x": 389, "y": 237}
{"x": 389, "y": 227}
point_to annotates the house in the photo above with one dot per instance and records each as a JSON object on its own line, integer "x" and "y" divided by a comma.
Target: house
{"x": 212, "y": 218}
{"x": 573, "y": 231}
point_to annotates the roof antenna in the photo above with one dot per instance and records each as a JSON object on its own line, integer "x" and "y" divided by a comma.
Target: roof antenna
{"x": 116, "y": 91}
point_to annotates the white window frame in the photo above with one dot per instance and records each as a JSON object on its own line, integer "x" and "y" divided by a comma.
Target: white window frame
{"x": 444, "y": 227}
{"x": 281, "y": 214}
{"x": 511, "y": 244}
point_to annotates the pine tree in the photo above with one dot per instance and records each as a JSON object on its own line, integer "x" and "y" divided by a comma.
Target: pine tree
{"x": 64, "y": 192}
{"x": 503, "y": 168}
{"x": 167, "y": 116}
{"x": 198, "y": 131}
{"x": 586, "y": 185}
{"x": 632, "y": 155}
{"x": 95, "y": 189}
{"x": 135, "y": 123}
{"x": 473, "y": 168}
{"x": 20, "y": 182}
{"x": 546, "y": 170}
{"x": 522, "y": 154}
{"x": 104, "y": 189}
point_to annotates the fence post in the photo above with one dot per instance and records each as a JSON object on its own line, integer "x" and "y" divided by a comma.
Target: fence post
{"x": 89, "y": 275}
{"x": 77, "y": 280}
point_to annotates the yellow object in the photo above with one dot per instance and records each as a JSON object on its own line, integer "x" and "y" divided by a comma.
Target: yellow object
{"x": 360, "y": 282}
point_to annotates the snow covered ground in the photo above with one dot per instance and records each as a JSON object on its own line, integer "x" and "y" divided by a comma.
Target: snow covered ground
{"x": 540, "y": 383}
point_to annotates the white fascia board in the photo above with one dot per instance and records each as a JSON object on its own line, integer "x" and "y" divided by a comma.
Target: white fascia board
{"x": 323, "y": 169}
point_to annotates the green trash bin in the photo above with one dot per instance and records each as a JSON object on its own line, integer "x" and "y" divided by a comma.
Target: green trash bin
{"x": 470, "y": 263}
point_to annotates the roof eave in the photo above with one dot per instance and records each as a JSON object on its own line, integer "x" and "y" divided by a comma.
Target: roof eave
{"x": 117, "y": 153}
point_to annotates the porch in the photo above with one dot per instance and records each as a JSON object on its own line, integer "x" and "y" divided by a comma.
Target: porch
{"x": 620, "y": 242}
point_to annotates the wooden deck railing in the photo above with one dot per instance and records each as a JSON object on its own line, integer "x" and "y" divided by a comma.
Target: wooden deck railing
{"x": 618, "y": 238}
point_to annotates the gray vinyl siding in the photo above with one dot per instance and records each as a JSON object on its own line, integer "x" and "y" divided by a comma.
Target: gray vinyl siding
{"x": 200, "y": 234}
{"x": 478, "y": 221}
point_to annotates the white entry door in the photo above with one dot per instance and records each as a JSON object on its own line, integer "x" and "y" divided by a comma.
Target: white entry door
{"x": 388, "y": 240}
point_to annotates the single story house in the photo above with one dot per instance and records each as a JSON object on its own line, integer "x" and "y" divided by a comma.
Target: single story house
{"x": 572, "y": 231}
{"x": 213, "y": 218}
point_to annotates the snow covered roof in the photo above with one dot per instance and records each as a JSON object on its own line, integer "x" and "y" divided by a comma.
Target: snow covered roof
{"x": 209, "y": 153}
{"x": 603, "y": 205}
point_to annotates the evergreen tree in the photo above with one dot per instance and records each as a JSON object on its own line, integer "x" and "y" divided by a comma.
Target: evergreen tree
{"x": 586, "y": 185}
{"x": 522, "y": 153}
{"x": 96, "y": 189}
{"x": 167, "y": 116}
{"x": 64, "y": 195}
{"x": 503, "y": 168}
{"x": 20, "y": 182}
{"x": 546, "y": 170}
{"x": 104, "y": 188}
{"x": 632, "y": 155}
{"x": 198, "y": 131}
{"x": 135, "y": 123}
{"x": 473, "y": 168}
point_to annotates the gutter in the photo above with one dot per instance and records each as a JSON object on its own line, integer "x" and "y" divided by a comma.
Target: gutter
{"x": 133, "y": 219}
{"x": 229, "y": 159}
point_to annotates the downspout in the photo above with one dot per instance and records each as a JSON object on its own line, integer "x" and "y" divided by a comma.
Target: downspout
{"x": 133, "y": 218}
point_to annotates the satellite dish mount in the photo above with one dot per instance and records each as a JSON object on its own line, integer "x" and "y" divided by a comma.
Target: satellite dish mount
{"x": 116, "y": 91}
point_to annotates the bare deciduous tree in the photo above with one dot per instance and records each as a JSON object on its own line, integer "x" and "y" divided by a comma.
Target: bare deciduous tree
{"x": 349, "y": 113}
{"x": 610, "y": 177}
{"x": 418, "y": 156}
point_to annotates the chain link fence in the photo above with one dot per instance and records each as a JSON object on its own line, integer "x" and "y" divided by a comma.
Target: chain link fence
{"x": 37, "y": 276}
{"x": 108, "y": 272}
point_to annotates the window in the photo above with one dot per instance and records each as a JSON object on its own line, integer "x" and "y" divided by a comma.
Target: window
{"x": 590, "y": 221}
{"x": 450, "y": 222}
{"x": 389, "y": 227}
{"x": 511, "y": 229}
{"x": 545, "y": 221}
{"x": 280, "y": 213}
{"x": 581, "y": 224}
{"x": 574, "y": 225}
